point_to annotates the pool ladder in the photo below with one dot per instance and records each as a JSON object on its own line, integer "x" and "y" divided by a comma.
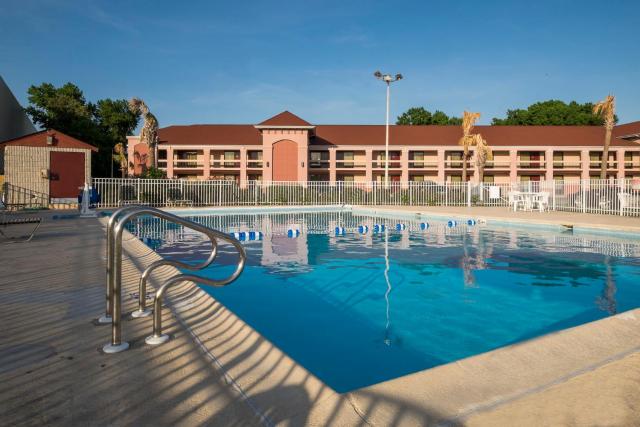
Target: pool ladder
{"x": 113, "y": 313}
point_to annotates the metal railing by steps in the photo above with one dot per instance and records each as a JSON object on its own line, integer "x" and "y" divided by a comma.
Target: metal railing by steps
{"x": 113, "y": 313}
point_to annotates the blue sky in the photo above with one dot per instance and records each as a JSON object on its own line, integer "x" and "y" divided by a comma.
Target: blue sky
{"x": 241, "y": 62}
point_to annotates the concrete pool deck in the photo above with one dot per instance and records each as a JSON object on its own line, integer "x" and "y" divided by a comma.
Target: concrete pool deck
{"x": 218, "y": 371}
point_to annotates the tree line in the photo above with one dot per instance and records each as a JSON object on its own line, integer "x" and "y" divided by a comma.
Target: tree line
{"x": 546, "y": 113}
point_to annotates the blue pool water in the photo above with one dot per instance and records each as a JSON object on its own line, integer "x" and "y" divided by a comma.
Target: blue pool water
{"x": 358, "y": 309}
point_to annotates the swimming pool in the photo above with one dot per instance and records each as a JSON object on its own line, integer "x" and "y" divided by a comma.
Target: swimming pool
{"x": 359, "y": 308}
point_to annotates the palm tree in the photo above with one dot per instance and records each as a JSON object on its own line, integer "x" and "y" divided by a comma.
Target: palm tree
{"x": 120, "y": 156}
{"x": 149, "y": 131}
{"x": 468, "y": 120}
{"x": 607, "y": 110}
{"x": 483, "y": 153}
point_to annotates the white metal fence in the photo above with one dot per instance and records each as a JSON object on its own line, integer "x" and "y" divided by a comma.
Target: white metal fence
{"x": 620, "y": 196}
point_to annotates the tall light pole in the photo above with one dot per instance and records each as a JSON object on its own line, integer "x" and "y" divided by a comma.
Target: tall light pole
{"x": 388, "y": 79}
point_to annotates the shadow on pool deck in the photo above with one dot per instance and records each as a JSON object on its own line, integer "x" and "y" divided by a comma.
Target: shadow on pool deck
{"x": 52, "y": 372}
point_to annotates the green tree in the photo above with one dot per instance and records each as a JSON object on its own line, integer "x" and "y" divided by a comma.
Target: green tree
{"x": 103, "y": 124}
{"x": 422, "y": 116}
{"x": 553, "y": 113}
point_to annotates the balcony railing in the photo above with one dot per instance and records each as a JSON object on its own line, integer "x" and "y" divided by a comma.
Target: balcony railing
{"x": 561, "y": 164}
{"x": 379, "y": 164}
{"x": 225, "y": 164}
{"x": 597, "y": 164}
{"x": 254, "y": 164}
{"x": 492, "y": 164}
{"x": 421, "y": 164}
{"x": 532, "y": 164}
{"x": 455, "y": 164}
{"x": 349, "y": 164}
{"x": 631, "y": 165}
{"x": 319, "y": 164}
{"x": 187, "y": 164}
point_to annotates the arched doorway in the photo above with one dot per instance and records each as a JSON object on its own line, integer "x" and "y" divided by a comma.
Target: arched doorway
{"x": 285, "y": 161}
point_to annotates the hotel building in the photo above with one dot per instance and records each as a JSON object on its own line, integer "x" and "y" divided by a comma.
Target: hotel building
{"x": 288, "y": 148}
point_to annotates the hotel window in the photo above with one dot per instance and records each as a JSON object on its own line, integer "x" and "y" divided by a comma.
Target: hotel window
{"x": 318, "y": 159}
{"x": 417, "y": 178}
{"x": 319, "y": 177}
{"x": 488, "y": 179}
{"x": 254, "y": 177}
{"x": 558, "y": 159}
{"x": 455, "y": 178}
{"x": 189, "y": 159}
{"x": 254, "y": 155}
{"x": 230, "y": 155}
{"x": 162, "y": 158}
{"x": 347, "y": 159}
{"x": 455, "y": 160}
{"x": 347, "y": 178}
{"x": 418, "y": 159}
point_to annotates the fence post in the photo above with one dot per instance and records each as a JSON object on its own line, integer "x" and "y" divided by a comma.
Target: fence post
{"x": 446, "y": 193}
{"x": 410, "y": 193}
{"x": 554, "y": 189}
{"x": 584, "y": 195}
{"x": 469, "y": 193}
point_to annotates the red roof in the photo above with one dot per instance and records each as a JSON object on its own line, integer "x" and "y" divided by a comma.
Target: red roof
{"x": 496, "y": 136}
{"x": 285, "y": 119}
{"x": 632, "y": 128}
{"x": 39, "y": 139}
{"x": 210, "y": 135}
{"x": 537, "y": 136}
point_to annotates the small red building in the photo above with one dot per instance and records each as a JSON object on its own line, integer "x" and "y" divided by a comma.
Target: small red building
{"x": 48, "y": 164}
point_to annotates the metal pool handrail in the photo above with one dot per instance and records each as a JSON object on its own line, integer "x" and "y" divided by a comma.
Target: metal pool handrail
{"x": 106, "y": 318}
{"x": 158, "y": 337}
{"x": 114, "y": 261}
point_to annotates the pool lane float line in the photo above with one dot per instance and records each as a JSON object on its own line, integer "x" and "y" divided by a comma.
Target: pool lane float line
{"x": 363, "y": 229}
{"x": 378, "y": 228}
{"x": 401, "y": 227}
{"x": 243, "y": 236}
{"x": 424, "y": 226}
{"x": 293, "y": 233}
{"x": 340, "y": 231}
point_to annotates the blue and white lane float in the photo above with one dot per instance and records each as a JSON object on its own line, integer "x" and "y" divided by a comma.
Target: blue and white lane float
{"x": 452, "y": 223}
{"x": 340, "y": 231}
{"x": 378, "y": 228}
{"x": 363, "y": 229}
{"x": 401, "y": 227}
{"x": 471, "y": 222}
{"x": 255, "y": 235}
{"x": 424, "y": 225}
{"x": 293, "y": 232}
{"x": 247, "y": 235}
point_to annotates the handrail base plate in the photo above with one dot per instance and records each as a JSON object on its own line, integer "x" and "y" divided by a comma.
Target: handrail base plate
{"x": 104, "y": 319}
{"x": 141, "y": 313}
{"x": 153, "y": 340}
{"x": 110, "y": 348}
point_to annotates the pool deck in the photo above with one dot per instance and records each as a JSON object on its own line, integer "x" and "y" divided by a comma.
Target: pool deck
{"x": 216, "y": 370}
